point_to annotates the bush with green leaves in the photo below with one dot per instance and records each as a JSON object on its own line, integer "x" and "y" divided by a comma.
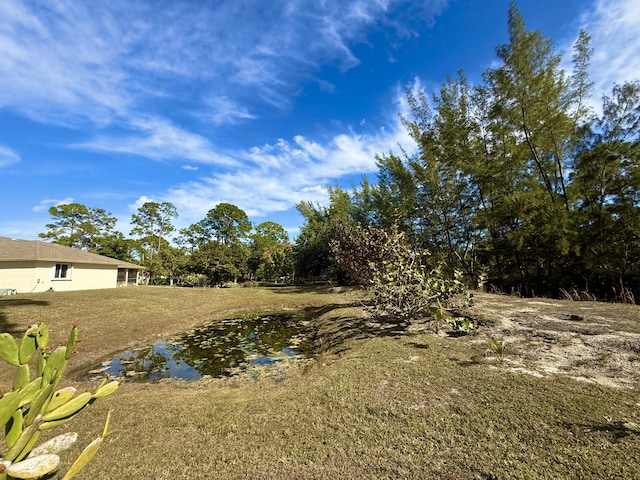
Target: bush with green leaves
{"x": 193, "y": 280}
{"x": 461, "y": 324}
{"x": 406, "y": 287}
{"x": 35, "y": 405}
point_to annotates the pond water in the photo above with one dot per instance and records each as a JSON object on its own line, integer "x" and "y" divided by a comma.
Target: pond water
{"x": 220, "y": 349}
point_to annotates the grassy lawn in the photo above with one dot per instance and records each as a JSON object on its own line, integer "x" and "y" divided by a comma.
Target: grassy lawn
{"x": 376, "y": 403}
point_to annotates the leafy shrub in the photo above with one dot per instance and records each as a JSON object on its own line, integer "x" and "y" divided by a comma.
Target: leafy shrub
{"x": 461, "y": 324}
{"x": 159, "y": 280}
{"x": 193, "y": 280}
{"x": 406, "y": 287}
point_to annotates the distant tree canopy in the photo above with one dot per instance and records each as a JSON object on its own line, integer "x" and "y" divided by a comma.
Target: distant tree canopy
{"x": 75, "y": 225}
{"x": 222, "y": 247}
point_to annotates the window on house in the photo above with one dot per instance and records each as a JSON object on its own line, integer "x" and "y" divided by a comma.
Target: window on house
{"x": 62, "y": 271}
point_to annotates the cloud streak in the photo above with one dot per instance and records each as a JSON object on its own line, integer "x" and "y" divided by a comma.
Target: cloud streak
{"x": 69, "y": 61}
{"x": 159, "y": 139}
{"x": 59, "y": 62}
{"x": 50, "y": 202}
{"x": 274, "y": 177}
{"x": 615, "y": 38}
{"x": 8, "y": 157}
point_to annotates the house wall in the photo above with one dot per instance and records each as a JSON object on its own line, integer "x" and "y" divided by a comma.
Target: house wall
{"x": 27, "y": 277}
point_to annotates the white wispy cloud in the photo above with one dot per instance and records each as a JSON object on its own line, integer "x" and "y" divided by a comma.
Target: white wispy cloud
{"x": 159, "y": 139}
{"x": 8, "y": 157}
{"x": 121, "y": 63}
{"x": 69, "y": 61}
{"x": 222, "y": 110}
{"x": 274, "y": 177}
{"x": 47, "y": 203}
{"x": 59, "y": 62}
{"x": 614, "y": 26}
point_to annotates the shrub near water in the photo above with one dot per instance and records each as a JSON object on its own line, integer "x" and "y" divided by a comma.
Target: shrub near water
{"x": 406, "y": 287}
{"x": 33, "y": 406}
{"x": 403, "y": 281}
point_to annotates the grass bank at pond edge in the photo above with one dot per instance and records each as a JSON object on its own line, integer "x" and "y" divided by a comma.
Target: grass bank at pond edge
{"x": 375, "y": 404}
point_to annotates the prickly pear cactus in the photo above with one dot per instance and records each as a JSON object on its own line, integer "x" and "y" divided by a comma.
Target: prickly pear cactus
{"x": 35, "y": 404}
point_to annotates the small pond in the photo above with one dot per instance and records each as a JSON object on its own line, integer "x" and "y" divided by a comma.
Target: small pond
{"x": 219, "y": 349}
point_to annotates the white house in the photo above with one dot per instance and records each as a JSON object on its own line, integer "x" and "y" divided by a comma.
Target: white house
{"x": 34, "y": 266}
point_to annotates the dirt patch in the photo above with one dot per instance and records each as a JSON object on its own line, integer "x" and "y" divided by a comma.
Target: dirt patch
{"x": 589, "y": 341}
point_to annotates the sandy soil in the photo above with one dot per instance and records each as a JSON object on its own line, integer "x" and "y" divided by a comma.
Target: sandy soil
{"x": 589, "y": 341}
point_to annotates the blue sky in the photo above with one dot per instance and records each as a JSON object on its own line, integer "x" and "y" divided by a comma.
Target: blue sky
{"x": 262, "y": 104}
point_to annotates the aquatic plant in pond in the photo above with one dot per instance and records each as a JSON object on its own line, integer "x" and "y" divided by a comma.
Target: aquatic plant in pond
{"x": 219, "y": 349}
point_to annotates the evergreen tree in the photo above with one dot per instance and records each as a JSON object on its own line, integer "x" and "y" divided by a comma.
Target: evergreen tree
{"x": 153, "y": 224}
{"x": 606, "y": 184}
{"x": 313, "y": 257}
{"x": 226, "y": 223}
{"x": 78, "y": 226}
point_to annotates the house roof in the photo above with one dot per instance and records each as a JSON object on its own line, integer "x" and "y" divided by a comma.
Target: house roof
{"x": 13, "y": 250}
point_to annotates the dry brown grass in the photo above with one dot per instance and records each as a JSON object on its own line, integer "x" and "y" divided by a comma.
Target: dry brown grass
{"x": 377, "y": 403}
{"x": 116, "y": 320}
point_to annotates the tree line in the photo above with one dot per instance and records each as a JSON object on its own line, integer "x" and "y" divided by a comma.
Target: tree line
{"x": 222, "y": 247}
{"x": 516, "y": 182}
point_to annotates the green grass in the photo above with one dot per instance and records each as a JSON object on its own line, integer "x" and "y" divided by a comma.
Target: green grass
{"x": 376, "y": 403}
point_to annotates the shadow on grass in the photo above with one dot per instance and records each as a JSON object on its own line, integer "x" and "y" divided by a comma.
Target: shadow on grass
{"x": 9, "y": 303}
{"x": 467, "y": 363}
{"x": 419, "y": 346}
{"x": 617, "y": 430}
{"x": 334, "y": 333}
{"x": 321, "y": 288}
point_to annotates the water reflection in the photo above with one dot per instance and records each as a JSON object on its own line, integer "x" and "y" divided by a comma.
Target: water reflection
{"x": 218, "y": 349}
